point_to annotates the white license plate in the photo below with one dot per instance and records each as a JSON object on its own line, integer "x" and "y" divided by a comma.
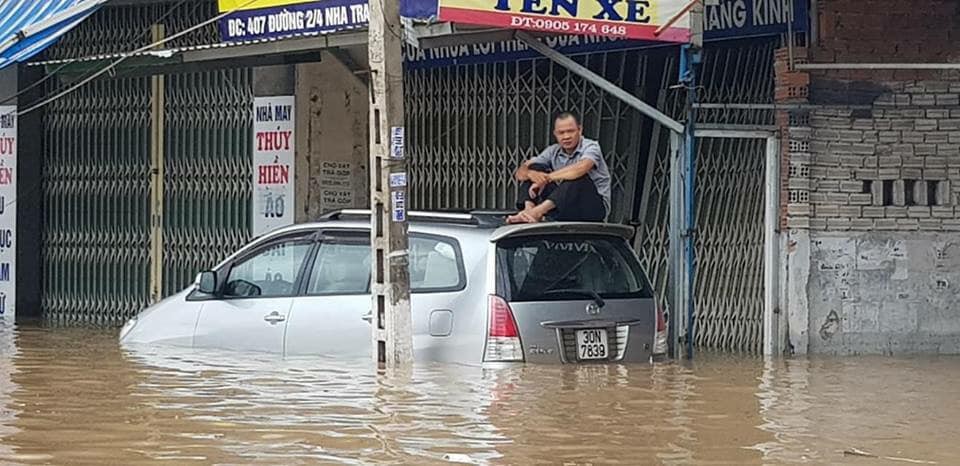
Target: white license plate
{"x": 592, "y": 344}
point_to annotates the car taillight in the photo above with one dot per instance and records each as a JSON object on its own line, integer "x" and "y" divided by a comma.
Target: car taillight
{"x": 503, "y": 339}
{"x": 660, "y": 338}
{"x": 661, "y": 321}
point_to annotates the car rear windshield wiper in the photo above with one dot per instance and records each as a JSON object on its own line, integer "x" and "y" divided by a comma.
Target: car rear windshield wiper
{"x": 582, "y": 292}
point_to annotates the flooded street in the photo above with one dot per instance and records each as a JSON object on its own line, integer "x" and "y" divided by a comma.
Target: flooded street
{"x": 70, "y": 396}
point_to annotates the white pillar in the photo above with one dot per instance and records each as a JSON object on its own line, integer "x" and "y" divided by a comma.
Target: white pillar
{"x": 771, "y": 250}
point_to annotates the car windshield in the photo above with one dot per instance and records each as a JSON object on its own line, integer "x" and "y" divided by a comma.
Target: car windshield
{"x": 565, "y": 267}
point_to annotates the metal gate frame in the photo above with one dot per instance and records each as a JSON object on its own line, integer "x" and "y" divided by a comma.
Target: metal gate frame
{"x": 772, "y": 344}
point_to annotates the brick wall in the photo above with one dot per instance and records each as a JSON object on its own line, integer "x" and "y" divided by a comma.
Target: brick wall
{"x": 880, "y": 149}
{"x": 893, "y": 165}
{"x": 887, "y": 31}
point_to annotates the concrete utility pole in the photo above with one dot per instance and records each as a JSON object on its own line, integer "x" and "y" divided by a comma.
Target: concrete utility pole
{"x": 392, "y": 328}
{"x": 157, "y": 103}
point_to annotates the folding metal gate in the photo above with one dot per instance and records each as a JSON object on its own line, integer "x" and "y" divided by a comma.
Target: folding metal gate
{"x": 97, "y": 169}
{"x": 470, "y": 126}
{"x": 96, "y": 187}
{"x": 207, "y": 187}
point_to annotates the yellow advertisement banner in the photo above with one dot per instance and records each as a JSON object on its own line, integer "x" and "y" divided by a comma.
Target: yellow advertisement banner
{"x": 658, "y": 20}
{"x": 235, "y": 5}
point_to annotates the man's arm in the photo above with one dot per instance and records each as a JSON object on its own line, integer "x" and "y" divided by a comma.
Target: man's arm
{"x": 572, "y": 172}
{"x": 591, "y": 157}
{"x": 524, "y": 173}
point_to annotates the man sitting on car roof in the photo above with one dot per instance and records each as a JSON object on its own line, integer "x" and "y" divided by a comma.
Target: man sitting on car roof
{"x": 567, "y": 182}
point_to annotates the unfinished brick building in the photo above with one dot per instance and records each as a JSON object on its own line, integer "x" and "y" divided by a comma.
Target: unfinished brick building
{"x": 872, "y": 179}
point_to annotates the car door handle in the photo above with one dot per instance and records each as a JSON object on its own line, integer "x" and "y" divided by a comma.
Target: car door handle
{"x": 368, "y": 317}
{"x": 274, "y": 317}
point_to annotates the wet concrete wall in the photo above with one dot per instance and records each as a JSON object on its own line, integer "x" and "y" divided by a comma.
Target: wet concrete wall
{"x": 331, "y": 132}
{"x": 332, "y": 138}
{"x": 884, "y": 293}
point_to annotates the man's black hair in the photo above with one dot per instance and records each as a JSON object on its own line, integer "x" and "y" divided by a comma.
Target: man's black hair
{"x": 567, "y": 114}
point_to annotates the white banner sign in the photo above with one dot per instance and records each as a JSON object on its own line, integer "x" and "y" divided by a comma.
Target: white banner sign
{"x": 8, "y": 211}
{"x": 273, "y": 159}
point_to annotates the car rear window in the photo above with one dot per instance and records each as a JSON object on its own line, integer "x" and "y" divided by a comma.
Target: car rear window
{"x": 563, "y": 267}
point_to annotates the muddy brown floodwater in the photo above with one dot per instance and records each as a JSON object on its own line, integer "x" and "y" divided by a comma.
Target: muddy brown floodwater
{"x": 71, "y": 396}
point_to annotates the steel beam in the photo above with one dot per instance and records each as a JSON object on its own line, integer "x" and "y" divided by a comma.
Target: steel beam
{"x": 732, "y": 132}
{"x": 428, "y": 36}
{"x": 689, "y": 59}
{"x": 877, "y": 66}
{"x": 600, "y": 82}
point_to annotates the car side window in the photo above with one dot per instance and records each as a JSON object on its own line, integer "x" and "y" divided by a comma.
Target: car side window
{"x": 270, "y": 272}
{"x": 435, "y": 265}
{"x": 340, "y": 268}
{"x": 343, "y": 267}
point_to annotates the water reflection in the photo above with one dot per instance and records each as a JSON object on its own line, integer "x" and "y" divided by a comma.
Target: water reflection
{"x": 902, "y": 408}
{"x": 8, "y": 409}
{"x": 72, "y": 396}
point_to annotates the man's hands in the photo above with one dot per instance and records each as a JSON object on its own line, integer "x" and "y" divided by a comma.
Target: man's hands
{"x": 538, "y": 180}
{"x": 535, "y": 190}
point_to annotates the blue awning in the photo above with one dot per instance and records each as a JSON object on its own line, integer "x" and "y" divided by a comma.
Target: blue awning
{"x": 29, "y": 26}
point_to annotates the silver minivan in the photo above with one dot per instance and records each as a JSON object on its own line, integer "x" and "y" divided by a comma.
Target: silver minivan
{"x": 481, "y": 293}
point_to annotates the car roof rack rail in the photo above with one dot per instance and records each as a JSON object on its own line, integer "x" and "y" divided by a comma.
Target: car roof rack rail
{"x": 479, "y": 218}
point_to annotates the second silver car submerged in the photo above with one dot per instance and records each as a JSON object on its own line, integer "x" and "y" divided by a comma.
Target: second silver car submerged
{"x": 481, "y": 293}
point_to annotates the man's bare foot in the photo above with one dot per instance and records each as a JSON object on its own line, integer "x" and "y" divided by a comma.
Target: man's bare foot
{"x": 522, "y": 217}
{"x": 534, "y": 216}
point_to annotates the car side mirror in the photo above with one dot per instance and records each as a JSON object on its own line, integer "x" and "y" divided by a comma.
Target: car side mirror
{"x": 208, "y": 283}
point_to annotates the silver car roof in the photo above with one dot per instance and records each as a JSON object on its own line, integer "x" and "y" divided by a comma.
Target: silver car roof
{"x": 486, "y": 224}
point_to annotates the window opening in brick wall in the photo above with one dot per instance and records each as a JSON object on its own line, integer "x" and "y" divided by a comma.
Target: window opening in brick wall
{"x": 932, "y": 194}
{"x": 887, "y": 192}
{"x": 867, "y": 187}
{"x": 800, "y": 118}
{"x": 909, "y": 192}
{"x": 799, "y": 196}
{"x": 797, "y": 145}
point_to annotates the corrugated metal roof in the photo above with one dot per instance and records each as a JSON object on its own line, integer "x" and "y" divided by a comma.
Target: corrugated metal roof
{"x": 29, "y": 26}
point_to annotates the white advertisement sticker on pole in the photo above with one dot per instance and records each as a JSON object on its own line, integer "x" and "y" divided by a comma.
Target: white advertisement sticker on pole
{"x": 273, "y": 163}
{"x": 8, "y": 211}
